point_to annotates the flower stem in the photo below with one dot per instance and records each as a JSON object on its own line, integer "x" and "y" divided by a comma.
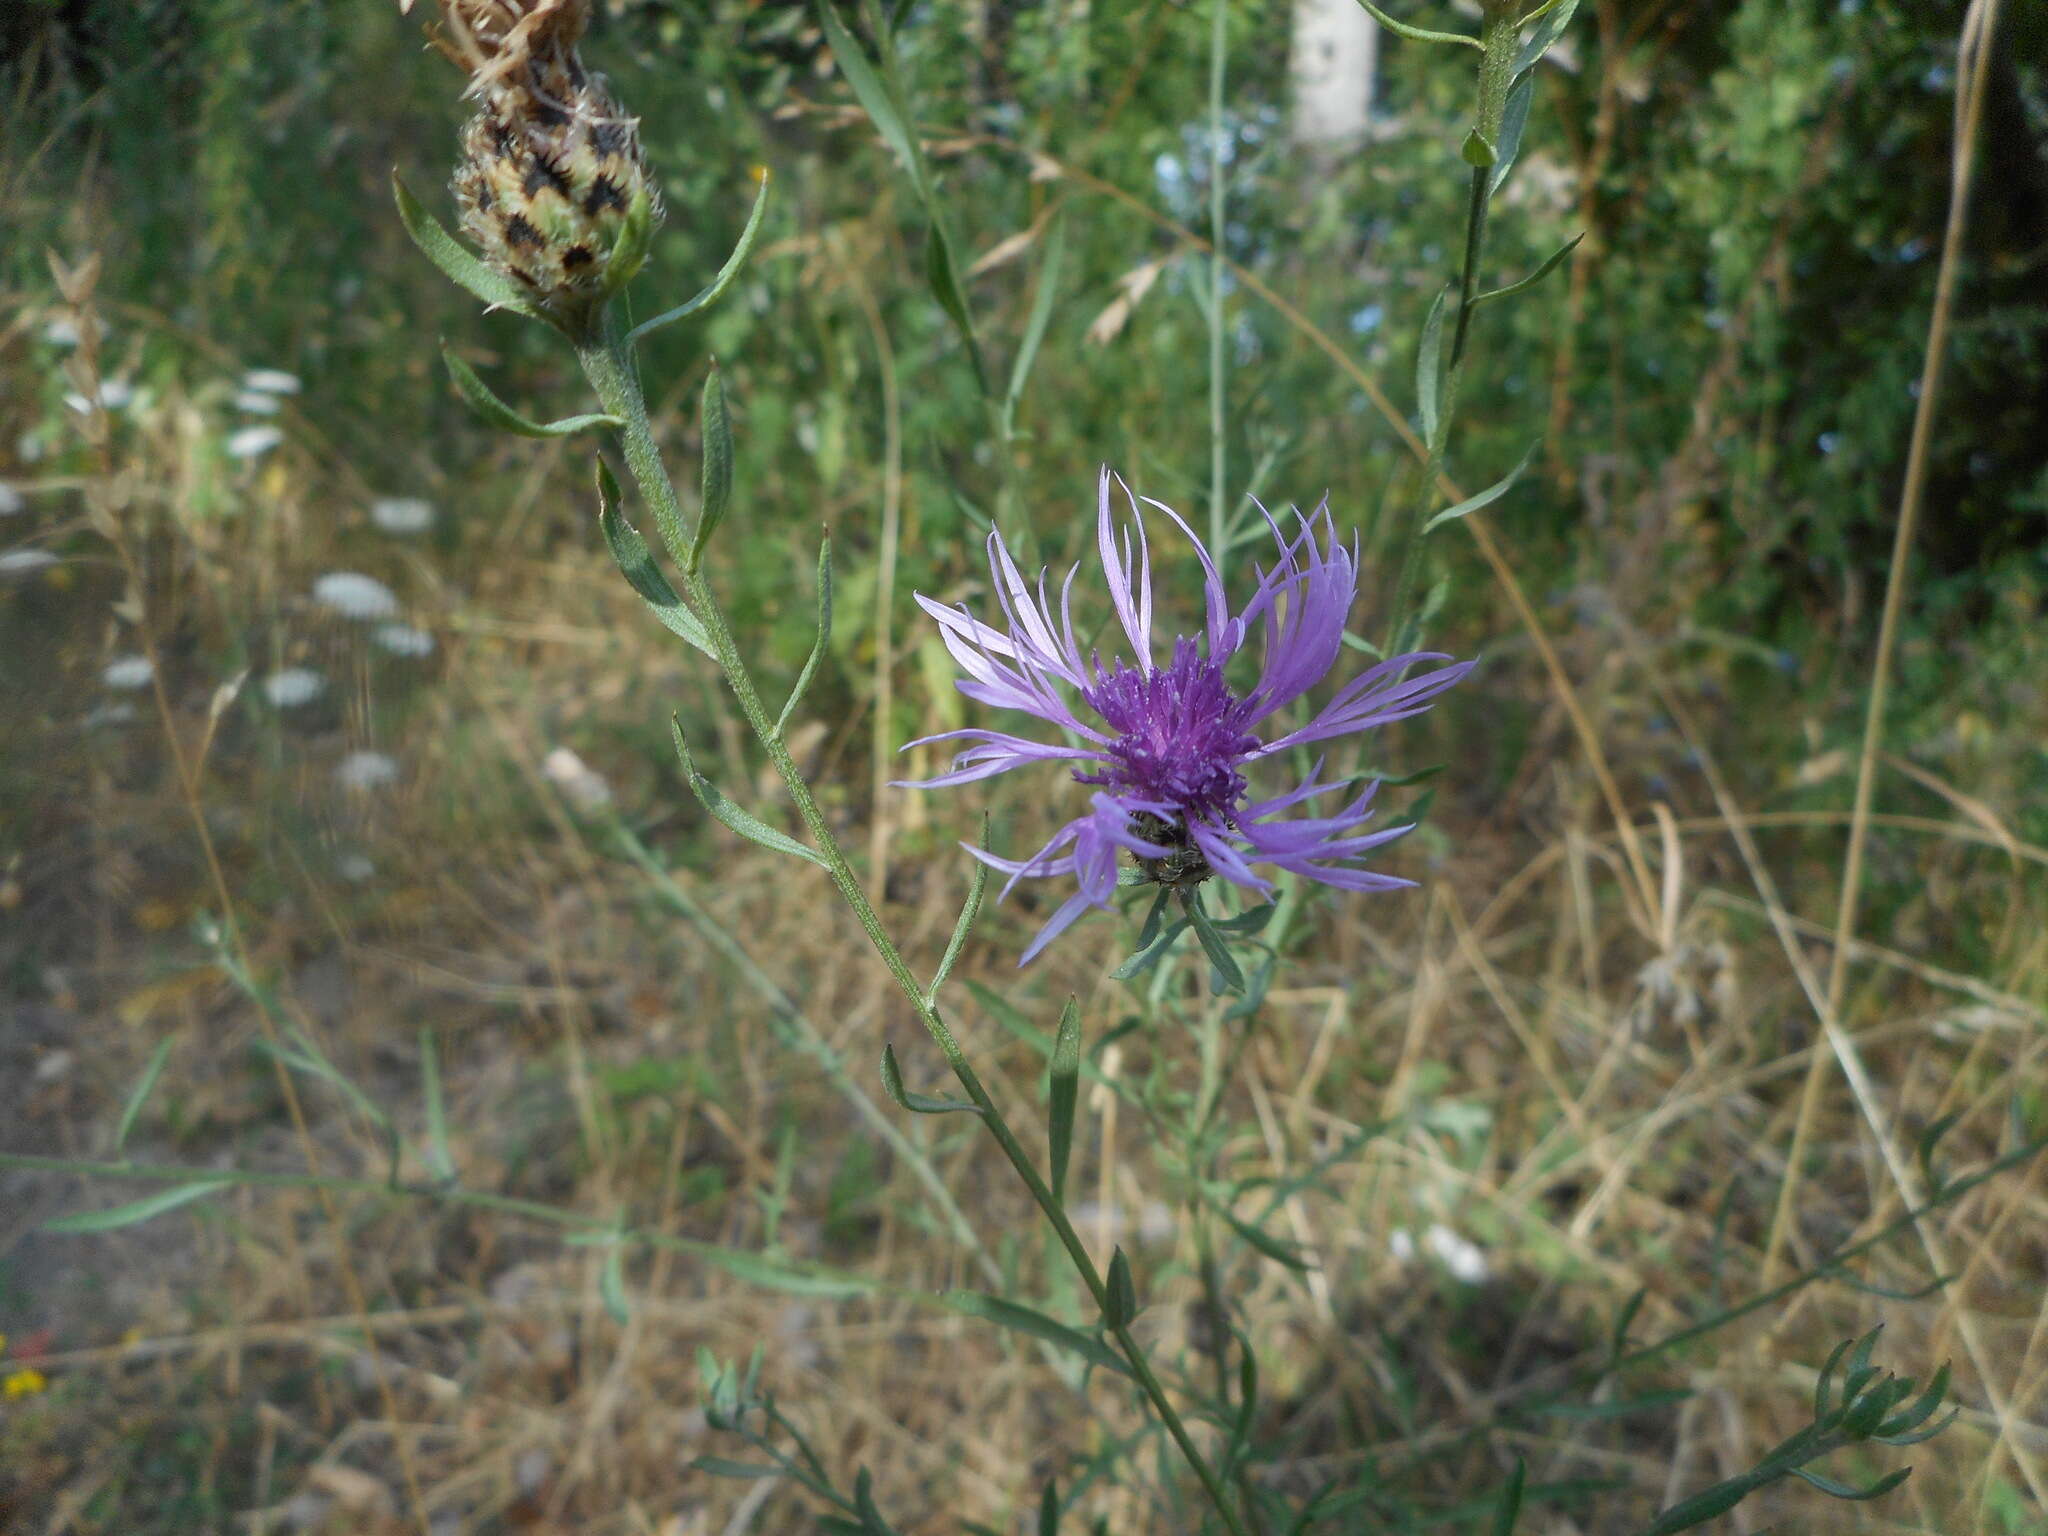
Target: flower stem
{"x": 609, "y": 368}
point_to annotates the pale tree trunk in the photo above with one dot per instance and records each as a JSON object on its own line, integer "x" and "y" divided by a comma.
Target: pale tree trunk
{"x": 1335, "y": 50}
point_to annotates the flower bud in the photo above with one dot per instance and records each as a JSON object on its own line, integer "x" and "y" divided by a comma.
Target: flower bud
{"x": 553, "y": 187}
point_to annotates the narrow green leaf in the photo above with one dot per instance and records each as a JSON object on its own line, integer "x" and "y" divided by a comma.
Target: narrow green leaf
{"x": 1513, "y": 122}
{"x": 1149, "y": 929}
{"x": 1021, "y": 1319}
{"x": 1247, "y": 1396}
{"x": 873, "y": 95}
{"x": 717, "y": 432}
{"x": 1012, "y": 1019}
{"x": 1248, "y": 922}
{"x": 1838, "y": 1490}
{"x": 1217, "y": 948}
{"x": 1702, "y": 1507}
{"x": 440, "y": 1162}
{"x": 1275, "y": 1248}
{"x": 136, "y": 1210}
{"x": 1617, "y": 1336}
{"x": 629, "y": 251}
{"x": 726, "y": 274}
{"x": 1555, "y": 15}
{"x": 719, "y": 1466}
{"x": 1415, "y": 34}
{"x": 809, "y": 1280}
{"x": 1041, "y": 312}
{"x": 636, "y": 563}
{"x": 1151, "y": 954}
{"x": 453, "y": 258}
{"x": 1487, "y": 497}
{"x": 1429, "y": 367}
{"x": 964, "y": 924}
{"x": 611, "y": 1284}
{"x": 918, "y": 1103}
{"x": 1919, "y": 1411}
{"x": 1065, "y": 1088}
{"x": 1120, "y": 1305}
{"x": 1533, "y": 278}
{"x": 748, "y": 826}
{"x": 500, "y": 415}
{"x": 820, "y": 645}
{"x": 864, "y": 1504}
{"x": 139, "y": 1094}
{"x": 1511, "y": 1500}
{"x": 1049, "y": 1510}
{"x": 941, "y": 273}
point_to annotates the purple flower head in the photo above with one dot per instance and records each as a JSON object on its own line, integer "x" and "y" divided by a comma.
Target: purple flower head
{"x": 1166, "y": 747}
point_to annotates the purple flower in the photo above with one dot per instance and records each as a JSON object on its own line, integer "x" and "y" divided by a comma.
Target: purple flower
{"x": 1165, "y": 745}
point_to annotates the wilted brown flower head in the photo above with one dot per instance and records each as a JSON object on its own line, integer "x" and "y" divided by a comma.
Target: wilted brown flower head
{"x": 552, "y": 177}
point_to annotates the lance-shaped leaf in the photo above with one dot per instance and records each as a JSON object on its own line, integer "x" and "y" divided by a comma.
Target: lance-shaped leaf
{"x": 1120, "y": 1298}
{"x": 875, "y": 97}
{"x": 636, "y": 563}
{"x": 136, "y": 1210}
{"x": 819, "y": 646}
{"x": 455, "y": 259}
{"x": 918, "y": 1103}
{"x": 1429, "y": 366}
{"x": 636, "y": 234}
{"x": 734, "y": 264}
{"x": 1511, "y": 1500}
{"x": 1533, "y": 278}
{"x": 1514, "y": 120}
{"x": 1020, "y": 1319}
{"x": 1487, "y": 497}
{"x": 440, "y": 1161}
{"x": 139, "y": 1094}
{"x": 1049, "y": 1510}
{"x": 964, "y": 924}
{"x": 1278, "y": 1249}
{"x": 1041, "y": 315}
{"x": 500, "y": 415}
{"x": 1065, "y": 1087}
{"x": 717, "y": 430}
{"x": 749, "y": 827}
{"x": 611, "y": 1285}
{"x": 1228, "y": 976}
{"x": 1555, "y": 16}
{"x": 1415, "y": 34}
{"x": 942, "y": 273}
{"x": 1151, "y": 954}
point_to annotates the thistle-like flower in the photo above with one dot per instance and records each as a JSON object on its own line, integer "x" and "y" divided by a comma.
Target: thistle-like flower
{"x": 553, "y": 187}
{"x": 1165, "y": 743}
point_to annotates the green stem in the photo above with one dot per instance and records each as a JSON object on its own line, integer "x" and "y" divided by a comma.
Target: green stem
{"x": 1218, "y": 512}
{"x": 609, "y": 369}
{"x": 1499, "y": 41}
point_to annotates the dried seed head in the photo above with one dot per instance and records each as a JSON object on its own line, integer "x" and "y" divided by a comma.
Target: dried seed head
{"x": 552, "y": 181}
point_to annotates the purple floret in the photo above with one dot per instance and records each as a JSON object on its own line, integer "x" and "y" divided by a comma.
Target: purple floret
{"x": 1165, "y": 748}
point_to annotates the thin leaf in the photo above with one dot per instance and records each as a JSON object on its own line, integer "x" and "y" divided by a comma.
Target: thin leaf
{"x": 1120, "y": 1302}
{"x": 1279, "y": 1250}
{"x": 1839, "y": 1490}
{"x": 1487, "y": 497}
{"x": 137, "y": 1210}
{"x": 1041, "y": 313}
{"x": 1514, "y": 120}
{"x": 918, "y": 1103}
{"x": 941, "y": 273}
{"x": 1217, "y": 948}
{"x": 726, "y": 274}
{"x": 629, "y": 251}
{"x": 139, "y": 1094}
{"x": 1533, "y": 278}
{"x": 636, "y": 563}
{"x": 717, "y": 434}
{"x": 964, "y": 924}
{"x": 500, "y": 415}
{"x": 1511, "y": 1500}
{"x": 1049, "y": 1510}
{"x": 1429, "y": 365}
{"x": 1151, "y": 954}
{"x": 719, "y": 1466}
{"x": 1555, "y": 16}
{"x": 818, "y": 646}
{"x": 873, "y": 95}
{"x": 453, "y": 258}
{"x": 1021, "y": 1319}
{"x": 1065, "y": 1088}
{"x": 748, "y": 826}
{"x": 811, "y": 1280}
{"x": 611, "y": 1285}
{"x": 439, "y": 1161}
{"x": 864, "y": 1504}
{"x": 1415, "y": 34}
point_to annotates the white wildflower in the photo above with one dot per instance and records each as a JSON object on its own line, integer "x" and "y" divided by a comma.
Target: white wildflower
{"x": 289, "y": 687}
{"x": 20, "y": 562}
{"x": 364, "y": 771}
{"x": 115, "y": 395}
{"x": 354, "y": 595}
{"x": 271, "y": 381}
{"x": 62, "y": 331}
{"x": 253, "y": 442}
{"x": 402, "y": 515}
{"x": 581, "y": 785}
{"x": 255, "y": 403}
{"x": 404, "y": 640}
{"x": 1462, "y": 1257}
{"x": 354, "y": 867}
{"x": 127, "y": 673}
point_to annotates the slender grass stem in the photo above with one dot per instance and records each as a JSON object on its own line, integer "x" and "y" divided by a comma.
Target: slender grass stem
{"x": 609, "y": 368}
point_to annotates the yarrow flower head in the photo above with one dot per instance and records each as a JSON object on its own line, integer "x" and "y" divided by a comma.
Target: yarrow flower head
{"x": 1164, "y": 740}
